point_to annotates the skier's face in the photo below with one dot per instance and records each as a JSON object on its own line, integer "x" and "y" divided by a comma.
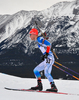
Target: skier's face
{"x": 33, "y": 37}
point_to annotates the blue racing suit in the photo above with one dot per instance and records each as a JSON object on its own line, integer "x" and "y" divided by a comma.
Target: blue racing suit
{"x": 46, "y": 65}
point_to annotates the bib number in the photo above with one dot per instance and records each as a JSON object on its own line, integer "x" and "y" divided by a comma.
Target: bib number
{"x": 48, "y": 60}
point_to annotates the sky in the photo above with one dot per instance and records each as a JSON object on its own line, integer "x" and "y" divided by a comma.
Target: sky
{"x": 13, "y": 6}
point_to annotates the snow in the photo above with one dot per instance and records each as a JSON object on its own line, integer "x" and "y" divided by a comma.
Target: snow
{"x": 68, "y": 86}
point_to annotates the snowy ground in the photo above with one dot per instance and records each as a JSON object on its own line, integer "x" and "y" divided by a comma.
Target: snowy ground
{"x": 69, "y": 86}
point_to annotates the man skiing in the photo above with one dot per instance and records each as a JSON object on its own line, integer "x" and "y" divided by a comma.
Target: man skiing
{"x": 46, "y": 64}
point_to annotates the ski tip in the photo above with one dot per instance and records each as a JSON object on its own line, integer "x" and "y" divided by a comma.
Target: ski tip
{"x": 4, "y": 87}
{"x": 7, "y": 88}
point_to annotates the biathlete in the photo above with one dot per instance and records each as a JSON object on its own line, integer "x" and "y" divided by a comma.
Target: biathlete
{"x": 46, "y": 64}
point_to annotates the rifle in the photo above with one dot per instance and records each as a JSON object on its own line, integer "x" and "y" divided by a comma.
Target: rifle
{"x": 44, "y": 35}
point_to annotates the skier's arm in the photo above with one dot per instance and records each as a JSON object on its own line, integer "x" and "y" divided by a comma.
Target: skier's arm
{"x": 47, "y": 44}
{"x": 47, "y": 50}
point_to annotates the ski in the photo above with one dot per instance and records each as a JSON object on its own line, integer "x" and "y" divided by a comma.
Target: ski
{"x": 29, "y": 90}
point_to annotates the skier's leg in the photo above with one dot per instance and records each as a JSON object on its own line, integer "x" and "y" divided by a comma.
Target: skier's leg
{"x": 47, "y": 72}
{"x": 48, "y": 68}
{"x": 37, "y": 70}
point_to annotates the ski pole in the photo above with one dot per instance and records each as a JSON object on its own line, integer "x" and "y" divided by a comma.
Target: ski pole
{"x": 66, "y": 72}
{"x": 66, "y": 67}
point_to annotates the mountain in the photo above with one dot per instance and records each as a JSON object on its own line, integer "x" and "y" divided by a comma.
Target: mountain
{"x": 18, "y": 53}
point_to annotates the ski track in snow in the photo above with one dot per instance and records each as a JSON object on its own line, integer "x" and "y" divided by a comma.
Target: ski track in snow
{"x": 67, "y": 86}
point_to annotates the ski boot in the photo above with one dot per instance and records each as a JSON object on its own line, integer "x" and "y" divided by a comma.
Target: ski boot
{"x": 53, "y": 87}
{"x": 38, "y": 87}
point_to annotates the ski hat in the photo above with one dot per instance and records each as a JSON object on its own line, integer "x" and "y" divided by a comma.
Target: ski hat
{"x": 34, "y": 31}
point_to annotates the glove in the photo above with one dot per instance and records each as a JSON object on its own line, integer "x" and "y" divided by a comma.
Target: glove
{"x": 45, "y": 56}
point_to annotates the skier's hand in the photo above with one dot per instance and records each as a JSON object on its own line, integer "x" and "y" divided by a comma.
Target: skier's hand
{"x": 58, "y": 60}
{"x": 45, "y": 56}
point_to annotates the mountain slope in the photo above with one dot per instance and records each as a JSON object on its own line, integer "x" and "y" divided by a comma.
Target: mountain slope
{"x": 61, "y": 23}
